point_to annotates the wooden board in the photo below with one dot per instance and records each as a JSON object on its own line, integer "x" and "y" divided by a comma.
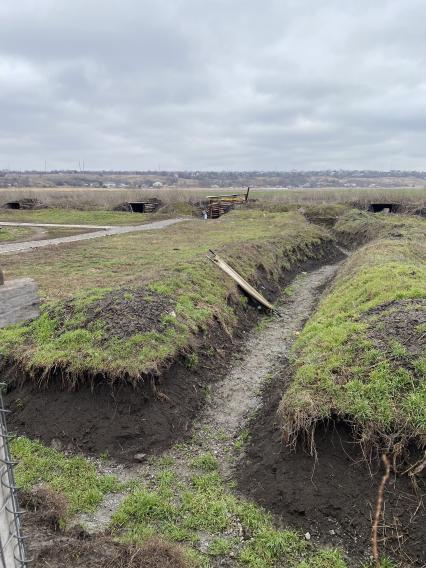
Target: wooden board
{"x": 239, "y": 280}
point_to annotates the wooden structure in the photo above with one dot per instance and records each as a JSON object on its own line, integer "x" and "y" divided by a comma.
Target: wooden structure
{"x": 219, "y": 204}
{"x": 248, "y": 288}
{"x": 18, "y": 301}
{"x": 149, "y": 206}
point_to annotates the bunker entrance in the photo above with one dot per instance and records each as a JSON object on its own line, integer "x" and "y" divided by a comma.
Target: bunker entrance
{"x": 149, "y": 206}
{"x": 12, "y": 205}
{"x": 383, "y": 207}
{"x": 26, "y": 203}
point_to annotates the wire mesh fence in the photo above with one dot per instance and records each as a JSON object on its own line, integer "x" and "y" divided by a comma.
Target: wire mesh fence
{"x": 12, "y": 546}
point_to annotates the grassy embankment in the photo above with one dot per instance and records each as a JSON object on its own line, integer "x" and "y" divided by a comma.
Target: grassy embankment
{"x": 77, "y": 332}
{"x": 362, "y": 355}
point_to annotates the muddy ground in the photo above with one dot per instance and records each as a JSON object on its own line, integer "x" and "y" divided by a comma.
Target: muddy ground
{"x": 333, "y": 497}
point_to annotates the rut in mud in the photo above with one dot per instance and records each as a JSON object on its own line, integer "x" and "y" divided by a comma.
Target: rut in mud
{"x": 234, "y": 399}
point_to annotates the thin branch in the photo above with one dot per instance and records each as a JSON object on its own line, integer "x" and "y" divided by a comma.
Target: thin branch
{"x": 378, "y": 511}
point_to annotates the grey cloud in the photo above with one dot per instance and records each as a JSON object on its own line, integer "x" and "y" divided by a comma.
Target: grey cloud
{"x": 212, "y": 84}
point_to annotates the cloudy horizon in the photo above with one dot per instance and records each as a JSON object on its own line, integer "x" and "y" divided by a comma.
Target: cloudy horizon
{"x": 213, "y": 85}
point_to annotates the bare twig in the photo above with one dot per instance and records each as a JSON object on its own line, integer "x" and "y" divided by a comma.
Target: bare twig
{"x": 378, "y": 511}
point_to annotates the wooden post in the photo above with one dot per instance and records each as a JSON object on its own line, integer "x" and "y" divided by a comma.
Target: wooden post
{"x": 18, "y": 301}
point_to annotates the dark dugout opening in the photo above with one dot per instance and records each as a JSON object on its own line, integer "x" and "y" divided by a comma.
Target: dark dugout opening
{"x": 383, "y": 207}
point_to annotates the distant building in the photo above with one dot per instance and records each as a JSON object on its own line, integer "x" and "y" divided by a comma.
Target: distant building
{"x": 157, "y": 184}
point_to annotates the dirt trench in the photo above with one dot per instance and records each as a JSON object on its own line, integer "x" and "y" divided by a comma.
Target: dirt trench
{"x": 331, "y": 499}
{"x": 233, "y": 400}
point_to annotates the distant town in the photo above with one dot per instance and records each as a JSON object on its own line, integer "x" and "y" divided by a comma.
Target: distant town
{"x": 207, "y": 179}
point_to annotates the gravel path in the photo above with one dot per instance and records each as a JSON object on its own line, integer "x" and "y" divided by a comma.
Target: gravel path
{"x": 103, "y": 232}
{"x": 63, "y": 225}
{"x": 233, "y": 399}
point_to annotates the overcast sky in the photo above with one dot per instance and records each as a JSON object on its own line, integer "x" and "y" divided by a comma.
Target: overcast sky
{"x": 213, "y": 84}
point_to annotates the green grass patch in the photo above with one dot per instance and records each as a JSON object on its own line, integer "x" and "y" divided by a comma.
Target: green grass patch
{"x": 206, "y": 462}
{"x": 204, "y": 508}
{"x": 75, "y": 477}
{"x": 10, "y": 234}
{"x": 75, "y": 217}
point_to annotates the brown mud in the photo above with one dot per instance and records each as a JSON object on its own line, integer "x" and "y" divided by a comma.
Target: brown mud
{"x": 125, "y": 312}
{"x": 122, "y": 420}
{"x": 333, "y": 496}
{"x": 54, "y": 549}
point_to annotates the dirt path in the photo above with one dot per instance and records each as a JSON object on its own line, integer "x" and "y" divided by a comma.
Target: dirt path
{"x": 103, "y": 232}
{"x": 233, "y": 399}
{"x": 52, "y": 225}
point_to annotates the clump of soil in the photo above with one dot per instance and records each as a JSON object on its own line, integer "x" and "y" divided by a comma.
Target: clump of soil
{"x": 45, "y": 506}
{"x": 126, "y": 312}
{"x": 332, "y": 496}
{"x": 399, "y": 322}
{"x": 26, "y": 203}
{"x": 80, "y": 550}
{"x": 50, "y": 546}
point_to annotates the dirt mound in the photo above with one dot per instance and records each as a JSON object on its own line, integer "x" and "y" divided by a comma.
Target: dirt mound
{"x": 119, "y": 314}
{"x": 332, "y": 498}
{"x": 180, "y": 208}
{"x": 80, "y": 550}
{"x": 399, "y": 323}
{"x": 27, "y": 203}
{"x": 146, "y": 206}
{"x": 126, "y": 312}
{"x": 44, "y": 506}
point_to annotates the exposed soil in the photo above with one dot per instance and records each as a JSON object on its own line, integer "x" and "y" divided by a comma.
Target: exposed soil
{"x": 126, "y": 312}
{"x": 121, "y": 420}
{"x": 399, "y": 321}
{"x": 332, "y": 498}
{"x": 76, "y": 548}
